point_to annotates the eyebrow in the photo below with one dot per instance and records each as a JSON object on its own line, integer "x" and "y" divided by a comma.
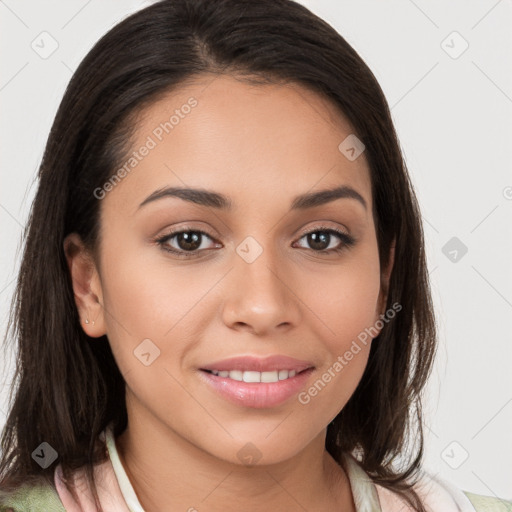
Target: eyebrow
{"x": 215, "y": 200}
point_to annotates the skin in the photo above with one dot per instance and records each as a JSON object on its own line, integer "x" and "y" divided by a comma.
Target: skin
{"x": 261, "y": 146}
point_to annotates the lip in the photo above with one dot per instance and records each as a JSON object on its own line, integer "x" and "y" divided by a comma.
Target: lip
{"x": 255, "y": 364}
{"x": 258, "y": 395}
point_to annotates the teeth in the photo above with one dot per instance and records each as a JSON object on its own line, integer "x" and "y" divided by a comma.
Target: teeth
{"x": 252, "y": 376}
{"x": 270, "y": 376}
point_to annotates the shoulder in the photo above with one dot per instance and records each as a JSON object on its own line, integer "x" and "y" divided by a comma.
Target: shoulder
{"x": 31, "y": 498}
{"x": 440, "y": 494}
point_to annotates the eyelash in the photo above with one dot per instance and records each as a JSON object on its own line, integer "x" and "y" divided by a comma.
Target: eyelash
{"x": 347, "y": 241}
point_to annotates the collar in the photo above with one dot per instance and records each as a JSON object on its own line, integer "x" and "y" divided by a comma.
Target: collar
{"x": 124, "y": 482}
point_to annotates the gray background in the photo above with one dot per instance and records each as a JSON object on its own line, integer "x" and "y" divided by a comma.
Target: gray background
{"x": 452, "y": 108}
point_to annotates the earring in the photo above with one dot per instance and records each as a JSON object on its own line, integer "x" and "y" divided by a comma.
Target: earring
{"x": 87, "y": 321}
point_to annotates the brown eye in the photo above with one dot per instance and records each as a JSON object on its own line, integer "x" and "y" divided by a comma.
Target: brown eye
{"x": 188, "y": 240}
{"x": 185, "y": 241}
{"x": 324, "y": 240}
{"x": 319, "y": 240}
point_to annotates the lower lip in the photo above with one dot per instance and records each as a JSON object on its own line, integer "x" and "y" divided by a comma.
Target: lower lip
{"x": 258, "y": 395}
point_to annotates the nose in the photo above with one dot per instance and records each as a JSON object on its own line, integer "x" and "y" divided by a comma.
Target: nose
{"x": 261, "y": 296}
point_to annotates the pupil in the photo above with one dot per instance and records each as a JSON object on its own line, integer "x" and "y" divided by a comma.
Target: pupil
{"x": 319, "y": 240}
{"x": 189, "y": 240}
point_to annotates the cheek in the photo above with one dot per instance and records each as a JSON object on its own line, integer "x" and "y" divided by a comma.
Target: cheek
{"x": 353, "y": 311}
{"x": 346, "y": 299}
{"x": 347, "y": 352}
{"x": 345, "y": 302}
{"x": 148, "y": 294}
{"x": 146, "y": 298}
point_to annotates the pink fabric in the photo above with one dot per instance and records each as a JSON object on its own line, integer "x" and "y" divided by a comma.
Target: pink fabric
{"x": 109, "y": 493}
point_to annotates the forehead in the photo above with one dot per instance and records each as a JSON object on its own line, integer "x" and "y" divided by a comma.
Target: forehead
{"x": 250, "y": 142}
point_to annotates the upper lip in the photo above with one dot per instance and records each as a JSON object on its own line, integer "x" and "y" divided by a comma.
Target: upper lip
{"x": 257, "y": 364}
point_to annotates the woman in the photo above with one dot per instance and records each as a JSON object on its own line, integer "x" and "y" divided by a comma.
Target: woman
{"x": 223, "y": 300}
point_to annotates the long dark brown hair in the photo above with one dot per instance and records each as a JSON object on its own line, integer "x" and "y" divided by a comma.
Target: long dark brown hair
{"x": 67, "y": 386}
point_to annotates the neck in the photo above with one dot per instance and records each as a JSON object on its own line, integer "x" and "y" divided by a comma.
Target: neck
{"x": 167, "y": 470}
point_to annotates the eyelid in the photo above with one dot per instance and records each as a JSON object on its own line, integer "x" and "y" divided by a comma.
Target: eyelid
{"x": 326, "y": 227}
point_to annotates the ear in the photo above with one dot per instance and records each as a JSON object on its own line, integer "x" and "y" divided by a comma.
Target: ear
{"x": 86, "y": 286}
{"x": 384, "y": 280}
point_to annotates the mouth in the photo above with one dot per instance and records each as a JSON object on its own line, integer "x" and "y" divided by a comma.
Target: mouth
{"x": 256, "y": 390}
{"x": 252, "y": 381}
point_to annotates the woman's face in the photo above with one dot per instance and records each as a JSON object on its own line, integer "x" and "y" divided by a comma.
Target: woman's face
{"x": 246, "y": 279}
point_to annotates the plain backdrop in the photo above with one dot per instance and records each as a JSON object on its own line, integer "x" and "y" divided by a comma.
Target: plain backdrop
{"x": 446, "y": 71}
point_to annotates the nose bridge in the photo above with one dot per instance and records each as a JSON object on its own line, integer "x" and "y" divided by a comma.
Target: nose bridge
{"x": 258, "y": 265}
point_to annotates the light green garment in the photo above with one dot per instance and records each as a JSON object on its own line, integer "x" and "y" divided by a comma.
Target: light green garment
{"x": 42, "y": 498}
{"x": 486, "y": 504}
